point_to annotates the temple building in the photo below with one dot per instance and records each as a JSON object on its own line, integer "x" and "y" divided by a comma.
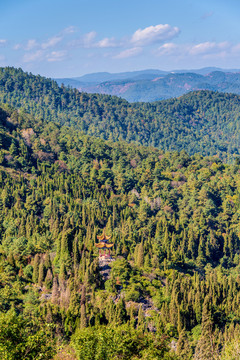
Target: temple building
{"x": 104, "y": 244}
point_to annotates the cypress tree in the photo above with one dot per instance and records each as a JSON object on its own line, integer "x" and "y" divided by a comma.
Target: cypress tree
{"x": 83, "y": 322}
{"x": 49, "y": 315}
{"x": 63, "y": 272}
{"x": 140, "y": 256}
{"x": 120, "y": 314}
{"x": 147, "y": 263}
{"x": 183, "y": 349}
{"x": 83, "y": 295}
{"x": 48, "y": 280}
{"x": 41, "y": 273}
{"x": 36, "y": 268}
{"x": 205, "y": 349}
{"x": 140, "y": 324}
{"x": 13, "y": 150}
{"x": 47, "y": 261}
{"x": 179, "y": 321}
{"x": 55, "y": 290}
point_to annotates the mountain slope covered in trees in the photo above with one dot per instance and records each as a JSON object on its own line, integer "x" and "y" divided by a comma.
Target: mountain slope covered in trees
{"x": 202, "y": 121}
{"x": 174, "y": 287}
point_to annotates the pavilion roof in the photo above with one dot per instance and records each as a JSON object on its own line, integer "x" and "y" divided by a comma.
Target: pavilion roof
{"x": 102, "y": 245}
{"x": 103, "y": 236}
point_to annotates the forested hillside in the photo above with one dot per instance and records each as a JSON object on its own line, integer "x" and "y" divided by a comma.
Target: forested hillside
{"x": 173, "y": 290}
{"x": 203, "y": 121}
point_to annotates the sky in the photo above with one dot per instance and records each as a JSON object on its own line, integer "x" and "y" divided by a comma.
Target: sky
{"x": 70, "y": 38}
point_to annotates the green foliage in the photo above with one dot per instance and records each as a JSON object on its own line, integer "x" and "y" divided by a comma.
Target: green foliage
{"x": 202, "y": 121}
{"x": 106, "y": 343}
{"x": 22, "y": 338}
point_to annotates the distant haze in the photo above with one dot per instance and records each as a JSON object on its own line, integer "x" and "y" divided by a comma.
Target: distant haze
{"x": 153, "y": 85}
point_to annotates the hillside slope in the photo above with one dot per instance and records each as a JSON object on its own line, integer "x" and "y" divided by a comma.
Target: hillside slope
{"x": 202, "y": 121}
{"x": 174, "y": 223}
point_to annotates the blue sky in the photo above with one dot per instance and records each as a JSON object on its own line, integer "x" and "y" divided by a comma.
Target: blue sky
{"x": 66, "y": 38}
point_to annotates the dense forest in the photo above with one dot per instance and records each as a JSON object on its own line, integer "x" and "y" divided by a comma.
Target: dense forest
{"x": 173, "y": 289}
{"x": 203, "y": 121}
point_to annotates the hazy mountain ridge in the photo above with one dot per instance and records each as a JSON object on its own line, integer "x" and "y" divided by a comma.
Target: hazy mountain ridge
{"x": 153, "y": 85}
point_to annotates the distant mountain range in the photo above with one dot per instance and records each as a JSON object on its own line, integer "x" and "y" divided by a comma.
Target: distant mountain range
{"x": 153, "y": 85}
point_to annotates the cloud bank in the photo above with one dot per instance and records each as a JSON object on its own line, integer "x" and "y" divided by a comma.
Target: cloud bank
{"x": 204, "y": 49}
{"x": 152, "y": 42}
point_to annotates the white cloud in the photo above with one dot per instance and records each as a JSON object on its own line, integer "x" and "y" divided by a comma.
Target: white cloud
{"x": 88, "y": 39}
{"x": 17, "y": 46}
{"x": 69, "y": 30}
{"x": 106, "y": 43}
{"x": 141, "y": 37}
{"x": 47, "y": 44}
{"x": 128, "y": 53}
{"x": 202, "y": 50}
{"x": 3, "y": 42}
{"x": 131, "y": 44}
{"x": 168, "y": 49}
{"x": 37, "y": 55}
{"x": 32, "y": 43}
{"x": 43, "y": 55}
{"x": 51, "y": 42}
{"x": 153, "y": 34}
{"x": 56, "y": 56}
{"x": 209, "y": 48}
